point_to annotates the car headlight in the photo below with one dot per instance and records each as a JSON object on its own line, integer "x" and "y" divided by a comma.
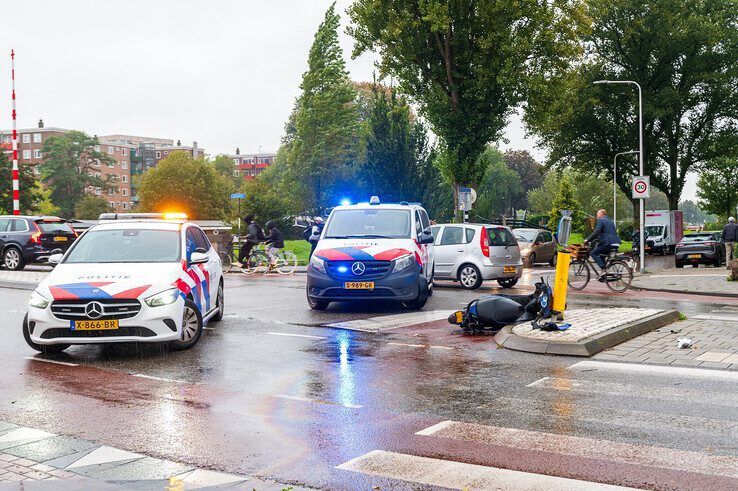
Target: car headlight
{"x": 317, "y": 263}
{"x": 166, "y": 297}
{"x": 403, "y": 263}
{"x": 38, "y": 301}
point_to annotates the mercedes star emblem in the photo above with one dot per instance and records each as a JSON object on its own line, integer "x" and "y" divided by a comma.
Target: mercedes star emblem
{"x": 358, "y": 269}
{"x": 94, "y": 310}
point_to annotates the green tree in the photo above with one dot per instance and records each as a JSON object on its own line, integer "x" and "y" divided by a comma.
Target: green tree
{"x": 226, "y": 168}
{"x": 90, "y": 207}
{"x": 70, "y": 164}
{"x": 44, "y": 205}
{"x": 564, "y": 200}
{"x": 501, "y": 190}
{"x": 717, "y": 187}
{"x": 323, "y": 131}
{"x": 182, "y": 183}
{"x": 396, "y": 150}
{"x": 529, "y": 170}
{"x": 684, "y": 53}
{"x": 466, "y": 64}
{"x": 694, "y": 214}
{"x": 31, "y": 194}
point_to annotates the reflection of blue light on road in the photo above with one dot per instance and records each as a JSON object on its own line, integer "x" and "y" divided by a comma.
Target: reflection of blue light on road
{"x": 342, "y": 269}
{"x": 346, "y": 388}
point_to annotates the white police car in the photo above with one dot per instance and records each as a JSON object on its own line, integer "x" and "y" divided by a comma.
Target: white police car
{"x": 373, "y": 251}
{"x": 132, "y": 277}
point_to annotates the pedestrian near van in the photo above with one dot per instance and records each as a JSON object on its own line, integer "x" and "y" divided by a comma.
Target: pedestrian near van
{"x": 730, "y": 236}
{"x": 315, "y": 232}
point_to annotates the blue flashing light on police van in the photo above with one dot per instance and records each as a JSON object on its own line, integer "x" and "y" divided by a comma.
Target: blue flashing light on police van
{"x": 345, "y": 202}
{"x": 374, "y": 200}
{"x": 342, "y": 269}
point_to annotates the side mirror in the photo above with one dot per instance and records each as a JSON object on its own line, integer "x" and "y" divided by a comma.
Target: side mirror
{"x": 426, "y": 237}
{"x": 55, "y": 258}
{"x": 198, "y": 258}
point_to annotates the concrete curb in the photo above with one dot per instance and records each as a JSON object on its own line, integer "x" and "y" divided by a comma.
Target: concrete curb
{"x": 588, "y": 347}
{"x": 686, "y": 292}
{"x": 18, "y": 285}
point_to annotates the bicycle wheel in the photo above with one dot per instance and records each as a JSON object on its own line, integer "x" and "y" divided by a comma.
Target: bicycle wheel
{"x": 287, "y": 262}
{"x": 225, "y": 262}
{"x": 578, "y": 275}
{"x": 618, "y": 276}
{"x": 257, "y": 262}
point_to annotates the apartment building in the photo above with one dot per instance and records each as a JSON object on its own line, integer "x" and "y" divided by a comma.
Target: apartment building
{"x": 252, "y": 164}
{"x": 30, "y": 143}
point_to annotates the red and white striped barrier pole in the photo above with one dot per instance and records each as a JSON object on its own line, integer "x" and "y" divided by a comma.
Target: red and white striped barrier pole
{"x": 16, "y": 190}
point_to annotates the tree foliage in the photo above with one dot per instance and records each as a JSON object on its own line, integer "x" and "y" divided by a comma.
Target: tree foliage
{"x": 694, "y": 214}
{"x": 323, "y": 131}
{"x": 529, "y": 170}
{"x": 501, "y": 190}
{"x": 182, "y": 183}
{"x": 70, "y": 166}
{"x": 30, "y": 196}
{"x": 226, "y": 168}
{"x": 90, "y": 207}
{"x": 684, "y": 54}
{"x": 466, "y": 64}
{"x": 717, "y": 187}
{"x": 564, "y": 200}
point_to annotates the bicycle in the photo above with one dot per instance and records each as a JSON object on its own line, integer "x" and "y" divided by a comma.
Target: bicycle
{"x": 259, "y": 261}
{"x": 230, "y": 254}
{"x": 616, "y": 274}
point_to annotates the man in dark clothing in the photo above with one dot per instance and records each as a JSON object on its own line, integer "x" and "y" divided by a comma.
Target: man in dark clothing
{"x": 315, "y": 232}
{"x": 730, "y": 237}
{"x": 607, "y": 235}
{"x": 274, "y": 242}
{"x": 254, "y": 235}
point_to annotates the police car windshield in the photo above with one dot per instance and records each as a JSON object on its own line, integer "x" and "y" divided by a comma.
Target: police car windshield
{"x": 370, "y": 223}
{"x": 126, "y": 246}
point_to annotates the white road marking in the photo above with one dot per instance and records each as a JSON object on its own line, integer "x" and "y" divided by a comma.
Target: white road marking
{"x": 318, "y": 401}
{"x": 207, "y": 478}
{"x": 533, "y": 384}
{"x": 44, "y": 360}
{"x": 603, "y": 450}
{"x": 104, "y": 455}
{"x": 162, "y": 379}
{"x": 458, "y": 475}
{"x": 658, "y": 370}
{"x": 408, "y": 345}
{"x": 306, "y": 336}
{"x": 24, "y": 433}
{"x": 393, "y": 321}
{"x": 436, "y": 427}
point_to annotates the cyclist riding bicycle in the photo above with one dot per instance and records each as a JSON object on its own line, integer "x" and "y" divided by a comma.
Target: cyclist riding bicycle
{"x": 607, "y": 238}
{"x": 254, "y": 235}
{"x": 274, "y": 242}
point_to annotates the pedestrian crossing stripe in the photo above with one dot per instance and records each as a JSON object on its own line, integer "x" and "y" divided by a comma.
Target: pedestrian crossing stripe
{"x": 393, "y": 321}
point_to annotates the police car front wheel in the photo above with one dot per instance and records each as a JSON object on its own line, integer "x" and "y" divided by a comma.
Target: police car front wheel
{"x": 45, "y": 349}
{"x": 191, "y": 327}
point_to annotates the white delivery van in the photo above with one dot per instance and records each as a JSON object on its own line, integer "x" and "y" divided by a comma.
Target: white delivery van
{"x": 663, "y": 230}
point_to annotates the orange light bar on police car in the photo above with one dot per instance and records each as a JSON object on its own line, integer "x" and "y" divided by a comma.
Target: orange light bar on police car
{"x": 175, "y": 216}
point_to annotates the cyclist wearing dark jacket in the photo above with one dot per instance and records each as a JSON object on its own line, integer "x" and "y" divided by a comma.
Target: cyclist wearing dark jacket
{"x": 607, "y": 235}
{"x": 274, "y": 242}
{"x": 254, "y": 235}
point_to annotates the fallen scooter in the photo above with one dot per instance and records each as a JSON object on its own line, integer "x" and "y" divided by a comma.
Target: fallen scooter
{"x": 494, "y": 312}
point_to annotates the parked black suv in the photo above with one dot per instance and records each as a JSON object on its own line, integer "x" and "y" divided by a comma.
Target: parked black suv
{"x": 700, "y": 248}
{"x": 30, "y": 239}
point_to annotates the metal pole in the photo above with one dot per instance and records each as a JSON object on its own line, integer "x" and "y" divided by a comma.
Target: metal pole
{"x": 16, "y": 179}
{"x": 615, "y": 185}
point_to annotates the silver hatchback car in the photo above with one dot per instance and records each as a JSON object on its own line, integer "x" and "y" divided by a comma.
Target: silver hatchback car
{"x": 471, "y": 253}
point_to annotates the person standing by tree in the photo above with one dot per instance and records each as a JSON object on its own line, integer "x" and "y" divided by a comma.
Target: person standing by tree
{"x": 730, "y": 236}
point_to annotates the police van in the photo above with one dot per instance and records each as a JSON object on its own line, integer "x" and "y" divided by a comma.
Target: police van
{"x": 373, "y": 251}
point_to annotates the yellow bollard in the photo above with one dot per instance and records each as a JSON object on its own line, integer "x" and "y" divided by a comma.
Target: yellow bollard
{"x": 561, "y": 283}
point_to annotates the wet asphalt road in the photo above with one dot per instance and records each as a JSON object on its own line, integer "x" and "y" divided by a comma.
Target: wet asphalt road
{"x": 249, "y": 399}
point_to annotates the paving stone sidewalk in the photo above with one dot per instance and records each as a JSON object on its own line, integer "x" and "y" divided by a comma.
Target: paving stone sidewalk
{"x": 21, "y": 280}
{"x": 30, "y": 457}
{"x": 714, "y": 343}
{"x": 704, "y": 281}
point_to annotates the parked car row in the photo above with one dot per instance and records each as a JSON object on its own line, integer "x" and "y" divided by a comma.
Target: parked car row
{"x": 32, "y": 239}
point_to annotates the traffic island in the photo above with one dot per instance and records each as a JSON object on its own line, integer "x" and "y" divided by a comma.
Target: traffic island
{"x": 591, "y": 331}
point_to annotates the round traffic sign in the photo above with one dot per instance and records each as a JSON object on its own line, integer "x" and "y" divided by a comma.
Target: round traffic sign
{"x": 640, "y": 187}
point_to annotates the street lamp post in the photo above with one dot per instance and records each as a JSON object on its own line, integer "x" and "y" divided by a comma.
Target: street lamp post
{"x": 615, "y": 185}
{"x": 642, "y": 245}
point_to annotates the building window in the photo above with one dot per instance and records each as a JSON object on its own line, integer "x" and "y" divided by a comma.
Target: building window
{"x": 26, "y": 154}
{"x": 117, "y": 149}
{"x": 248, "y": 161}
{"x": 125, "y": 178}
{"x": 26, "y": 138}
{"x": 125, "y": 192}
{"x": 158, "y": 155}
{"x": 37, "y": 138}
{"x": 97, "y": 174}
{"x": 36, "y": 170}
{"x": 98, "y": 191}
{"x": 97, "y": 148}
{"x": 6, "y": 138}
{"x": 37, "y": 154}
{"x": 111, "y": 150}
{"x": 125, "y": 205}
{"x": 123, "y": 151}
{"x": 124, "y": 165}
{"x": 111, "y": 204}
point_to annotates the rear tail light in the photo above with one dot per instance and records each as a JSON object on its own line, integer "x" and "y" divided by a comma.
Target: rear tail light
{"x": 36, "y": 236}
{"x": 484, "y": 242}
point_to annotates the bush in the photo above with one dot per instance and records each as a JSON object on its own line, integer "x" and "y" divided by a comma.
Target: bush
{"x": 626, "y": 229}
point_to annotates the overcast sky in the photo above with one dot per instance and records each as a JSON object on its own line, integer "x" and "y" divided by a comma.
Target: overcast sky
{"x": 224, "y": 73}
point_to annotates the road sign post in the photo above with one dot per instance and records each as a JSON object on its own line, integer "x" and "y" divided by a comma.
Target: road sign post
{"x": 239, "y": 197}
{"x": 467, "y": 197}
{"x": 641, "y": 187}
